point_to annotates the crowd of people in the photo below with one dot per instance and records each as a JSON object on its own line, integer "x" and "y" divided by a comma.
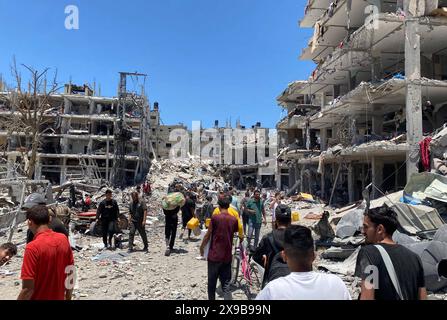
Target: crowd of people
{"x": 286, "y": 253}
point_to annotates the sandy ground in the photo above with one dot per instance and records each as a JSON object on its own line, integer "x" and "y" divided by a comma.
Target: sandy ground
{"x": 139, "y": 276}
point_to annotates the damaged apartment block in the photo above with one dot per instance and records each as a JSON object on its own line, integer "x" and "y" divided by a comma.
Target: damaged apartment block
{"x": 89, "y": 137}
{"x": 378, "y": 91}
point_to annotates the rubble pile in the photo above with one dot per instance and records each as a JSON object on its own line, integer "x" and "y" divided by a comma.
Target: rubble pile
{"x": 192, "y": 173}
{"x": 422, "y": 229}
{"x": 138, "y": 276}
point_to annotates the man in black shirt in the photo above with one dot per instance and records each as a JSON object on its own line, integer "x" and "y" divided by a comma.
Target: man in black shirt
{"x": 107, "y": 214}
{"x": 138, "y": 215}
{"x": 378, "y": 228}
{"x": 271, "y": 245}
{"x": 171, "y": 222}
{"x": 187, "y": 214}
{"x": 207, "y": 208}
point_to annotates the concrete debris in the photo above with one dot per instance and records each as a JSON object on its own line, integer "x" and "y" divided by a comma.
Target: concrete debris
{"x": 113, "y": 257}
{"x": 200, "y": 176}
{"x": 426, "y": 186}
{"x": 351, "y": 222}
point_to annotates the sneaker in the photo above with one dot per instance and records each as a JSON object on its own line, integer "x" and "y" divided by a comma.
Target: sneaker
{"x": 168, "y": 252}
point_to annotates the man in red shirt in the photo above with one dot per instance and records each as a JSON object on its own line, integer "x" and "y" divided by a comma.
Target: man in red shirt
{"x": 221, "y": 231}
{"x": 48, "y": 265}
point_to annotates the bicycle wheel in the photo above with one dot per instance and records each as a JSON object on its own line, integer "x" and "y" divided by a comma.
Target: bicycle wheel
{"x": 256, "y": 277}
{"x": 235, "y": 265}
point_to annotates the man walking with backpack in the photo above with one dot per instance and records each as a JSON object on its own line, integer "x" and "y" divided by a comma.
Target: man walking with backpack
{"x": 268, "y": 253}
{"x": 388, "y": 271}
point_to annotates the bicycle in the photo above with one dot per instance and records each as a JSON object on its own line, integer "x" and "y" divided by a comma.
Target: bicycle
{"x": 235, "y": 261}
{"x": 252, "y": 273}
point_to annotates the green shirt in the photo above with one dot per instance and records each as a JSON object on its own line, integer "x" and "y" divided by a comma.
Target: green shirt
{"x": 259, "y": 207}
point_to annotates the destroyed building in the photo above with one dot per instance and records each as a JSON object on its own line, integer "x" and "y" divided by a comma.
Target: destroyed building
{"x": 243, "y": 153}
{"x": 82, "y": 137}
{"x": 378, "y": 90}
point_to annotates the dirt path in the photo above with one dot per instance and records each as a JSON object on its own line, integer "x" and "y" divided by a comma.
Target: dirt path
{"x": 138, "y": 276}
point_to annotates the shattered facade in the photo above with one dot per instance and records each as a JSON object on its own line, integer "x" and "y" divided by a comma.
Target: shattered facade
{"x": 240, "y": 152}
{"x": 378, "y": 90}
{"x": 79, "y": 138}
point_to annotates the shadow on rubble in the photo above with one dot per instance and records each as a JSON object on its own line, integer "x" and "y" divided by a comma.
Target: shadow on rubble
{"x": 179, "y": 251}
{"x": 238, "y": 286}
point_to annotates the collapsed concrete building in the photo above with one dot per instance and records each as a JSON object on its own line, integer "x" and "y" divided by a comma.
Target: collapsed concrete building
{"x": 378, "y": 90}
{"x": 82, "y": 134}
{"x": 244, "y": 154}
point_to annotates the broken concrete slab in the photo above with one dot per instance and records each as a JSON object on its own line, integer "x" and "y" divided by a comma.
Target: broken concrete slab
{"x": 427, "y": 185}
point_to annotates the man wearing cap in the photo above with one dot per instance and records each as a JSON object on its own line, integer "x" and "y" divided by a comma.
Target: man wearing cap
{"x": 272, "y": 244}
{"x": 55, "y": 224}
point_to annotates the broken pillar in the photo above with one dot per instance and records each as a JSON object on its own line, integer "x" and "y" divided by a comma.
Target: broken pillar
{"x": 92, "y": 107}
{"x": 292, "y": 175}
{"x": 63, "y": 176}
{"x": 377, "y": 120}
{"x": 323, "y": 182}
{"x": 38, "y": 169}
{"x": 376, "y": 66}
{"x": 335, "y": 133}
{"x": 302, "y": 178}
{"x": 10, "y": 166}
{"x": 323, "y": 139}
{"x": 67, "y": 105}
{"x": 413, "y": 93}
{"x": 377, "y": 176}
{"x": 351, "y": 183}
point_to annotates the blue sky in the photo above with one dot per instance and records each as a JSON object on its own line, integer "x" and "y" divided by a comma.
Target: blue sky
{"x": 205, "y": 59}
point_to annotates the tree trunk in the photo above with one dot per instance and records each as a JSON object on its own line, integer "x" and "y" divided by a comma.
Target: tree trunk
{"x": 32, "y": 163}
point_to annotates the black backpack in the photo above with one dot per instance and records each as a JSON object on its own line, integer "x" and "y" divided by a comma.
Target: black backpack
{"x": 277, "y": 267}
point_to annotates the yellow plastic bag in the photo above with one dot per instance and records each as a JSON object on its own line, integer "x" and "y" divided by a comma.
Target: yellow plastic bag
{"x": 207, "y": 222}
{"x": 193, "y": 223}
{"x": 307, "y": 196}
{"x": 295, "y": 216}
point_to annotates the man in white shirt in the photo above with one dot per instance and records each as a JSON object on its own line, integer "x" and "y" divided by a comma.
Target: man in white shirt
{"x": 303, "y": 283}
